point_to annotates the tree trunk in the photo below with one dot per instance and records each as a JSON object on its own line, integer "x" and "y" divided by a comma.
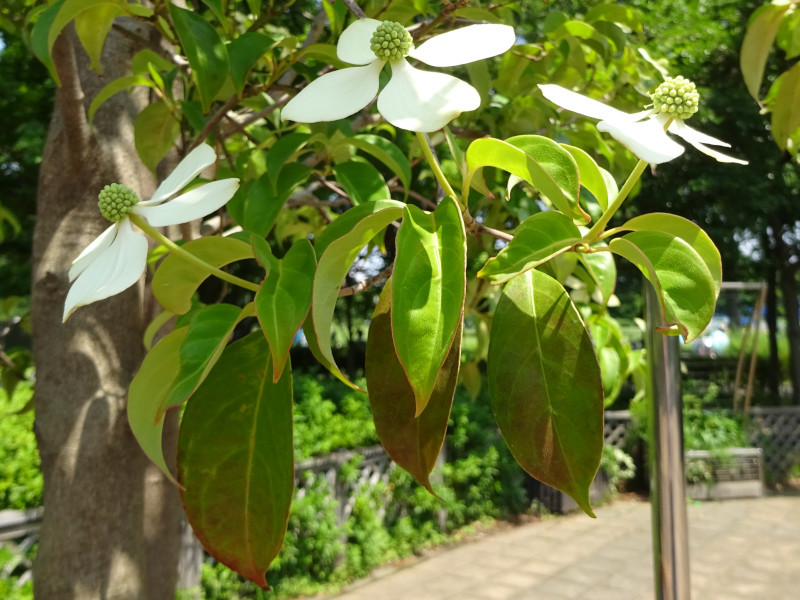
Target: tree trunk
{"x": 788, "y": 282}
{"x": 790, "y": 305}
{"x": 111, "y": 521}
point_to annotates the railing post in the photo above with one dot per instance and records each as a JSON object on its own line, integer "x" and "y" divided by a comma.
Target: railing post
{"x": 667, "y": 478}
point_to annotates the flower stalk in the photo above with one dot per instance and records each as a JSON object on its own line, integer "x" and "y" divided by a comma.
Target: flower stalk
{"x": 189, "y": 257}
{"x": 597, "y": 229}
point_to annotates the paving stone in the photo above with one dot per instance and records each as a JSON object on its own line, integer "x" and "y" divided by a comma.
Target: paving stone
{"x": 738, "y": 549}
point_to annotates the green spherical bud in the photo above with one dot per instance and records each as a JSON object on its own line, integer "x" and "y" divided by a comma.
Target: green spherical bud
{"x": 115, "y": 201}
{"x": 676, "y": 97}
{"x": 391, "y": 41}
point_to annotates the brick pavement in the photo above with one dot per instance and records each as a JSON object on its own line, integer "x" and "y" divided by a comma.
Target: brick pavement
{"x": 739, "y": 549}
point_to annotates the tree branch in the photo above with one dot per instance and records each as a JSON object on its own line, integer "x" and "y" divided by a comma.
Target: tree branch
{"x": 355, "y": 9}
{"x": 367, "y": 283}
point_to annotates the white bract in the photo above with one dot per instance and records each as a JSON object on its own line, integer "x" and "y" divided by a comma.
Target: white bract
{"x": 116, "y": 259}
{"x": 413, "y": 99}
{"x": 644, "y": 133}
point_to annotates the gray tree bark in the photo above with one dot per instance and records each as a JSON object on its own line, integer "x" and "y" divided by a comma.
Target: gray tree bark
{"x": 111, "y": 521}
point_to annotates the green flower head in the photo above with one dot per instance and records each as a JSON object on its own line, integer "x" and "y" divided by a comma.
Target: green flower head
{"x": 115, "y": 201}
{"x": 391, "y": 41}
{"x": 676, "y": 97}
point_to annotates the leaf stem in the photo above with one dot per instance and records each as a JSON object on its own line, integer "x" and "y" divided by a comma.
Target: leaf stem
{"x": 597, "y": 229}
{"x": 188, "y": 256}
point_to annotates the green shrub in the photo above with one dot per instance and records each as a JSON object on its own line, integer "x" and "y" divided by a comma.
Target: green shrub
{"x": 705, "y": 429}
{"x": 20, "y": 477}
{"x": 329, "y": 416}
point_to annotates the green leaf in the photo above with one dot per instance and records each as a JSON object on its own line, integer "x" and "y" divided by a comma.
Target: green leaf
{"x": 235, "y": 459}
{"x": 387, "y": 153}
{"x": 361, "y": 181}
{"x": 602, "y": 271}
{"x": 243, "y": 53}
{"x": 545, "y": 385}
{"x": 591, "y": 176}
{"x": 210, "y": 330}
{"x": 255, "y": 206}
{"x": 345, "y": 222}
{"x": 92, "y": 26}
{"x": 413, "y": 442}
{"x": 176, "y": 279}
{"x": 282, "y": 150}
{"x": 143, "y": 61}
{"x": 218, "y": 9}
{"x": 149, "y": 390}
{"x": 757, "y": 44}
{"x": 155, "y": 131}
{"x": 689, "y": 233}
{"x": 537, "y": 239}
{"x": 428, "y": 292}
{"x": 786, "y": 106}
{"x": 335, "y": 257}
{"x": 683, "y": 283}
{"x": 40, "y": 35}
{"x": 552, "y": 170}
{"x": 101, "y": 13}
{"x": 283, "y": 301}
{"x": 118, "y": 85}
{"x": 205, "y": 51}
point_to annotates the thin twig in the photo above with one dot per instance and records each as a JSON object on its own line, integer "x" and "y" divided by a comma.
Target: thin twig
{"x": 367, "y": 283}
{"x": 355, "y": 9}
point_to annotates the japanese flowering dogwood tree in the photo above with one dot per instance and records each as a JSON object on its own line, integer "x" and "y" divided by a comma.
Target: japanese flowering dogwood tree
{"x": 502, "y": 235}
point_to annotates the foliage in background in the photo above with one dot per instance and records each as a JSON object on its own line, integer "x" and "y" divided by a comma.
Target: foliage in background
{"x": 20, "y": 478}
{"x": 707, "y": 429}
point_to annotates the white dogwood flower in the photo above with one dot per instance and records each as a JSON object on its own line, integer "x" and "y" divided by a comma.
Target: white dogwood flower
{"x": 116, "y": 259}
{"x": 413, "y": 99}
{"x": 644, "y": 133}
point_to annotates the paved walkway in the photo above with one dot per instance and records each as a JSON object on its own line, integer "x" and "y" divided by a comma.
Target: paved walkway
{"x": 739, "y": 549}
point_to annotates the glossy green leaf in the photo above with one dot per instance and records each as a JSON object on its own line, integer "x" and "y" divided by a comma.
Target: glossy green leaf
{"x": 205, "y": 51}
{"x": 210, "y": 330}
{"x": 428, "y": 292}
{"x": 335, "y": 256}
{"x": 757, "y": 44}
{"x": 545, "y": 385}
{"x": 387, "y": 153}
{"x": 591, "y": 176}
{"x": 683, "y": 283}
{"x": 155, "y": 131}
{"x": 149, "y": 390}
{"x": 786, "y": 106}
{"x": 346, "y": 221}
{"x": 118, "y": 85}
{"x": 235, "y": 459}
{"x": 243, "y": 53}
{"x": 361, "y": 181}
{"x": 413, "y": 442}
{"x": 689, "y": 233}
{"x": 537, "y": 239}
{"x": 283, "y": 301}
{"x": 176, "y": 279}
{"x": 552, "y": 170}
{"x": 40, "y": 37}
